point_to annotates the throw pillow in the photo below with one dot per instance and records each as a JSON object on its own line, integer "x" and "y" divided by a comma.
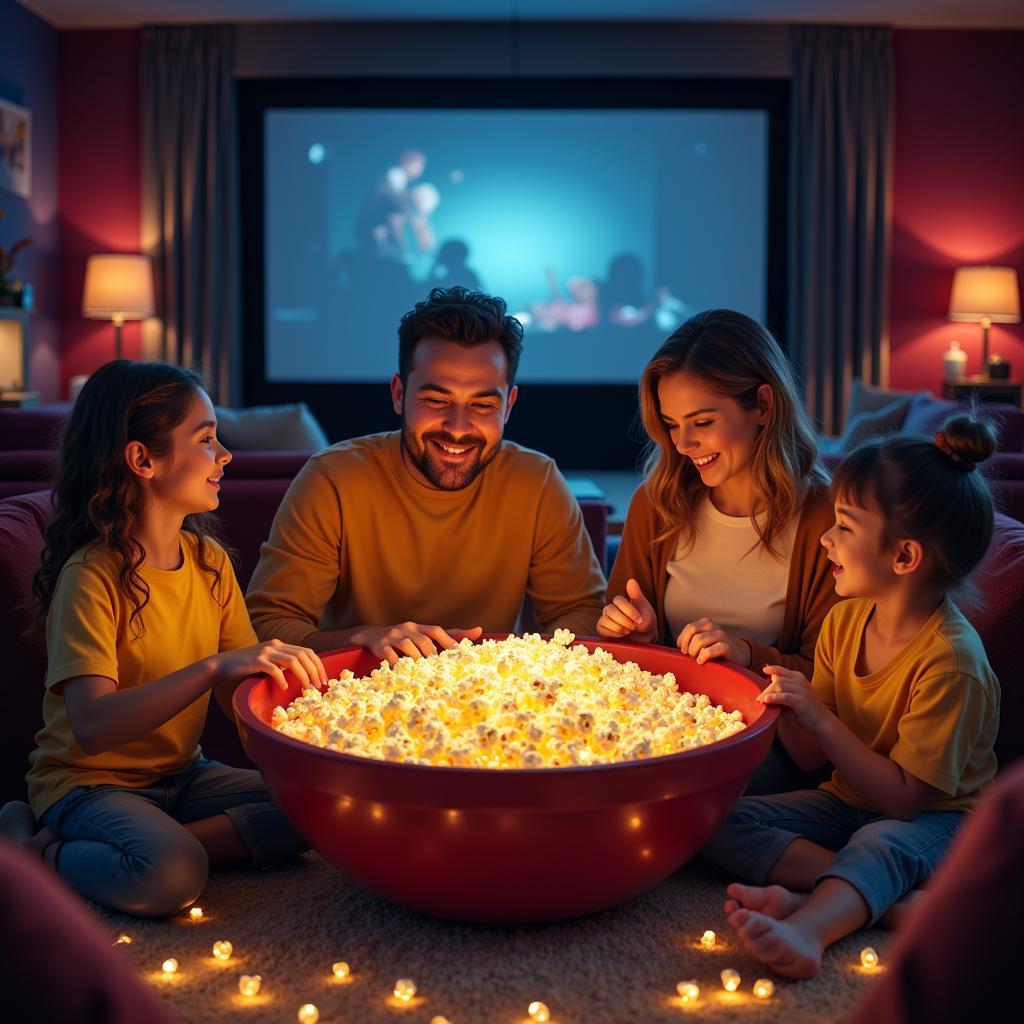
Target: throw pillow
{"x": 869, "y": 398}
{"x": 927, "y": 414}
{"x": 270, "y": 428}
{"x": 867, "y": 425}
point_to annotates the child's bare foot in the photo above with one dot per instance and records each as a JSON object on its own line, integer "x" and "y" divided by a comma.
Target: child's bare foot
{"x": 18, "y": 823}
{"x": 785, "y": 948}
{"x": 896, "y": 916}
{"x": 773, "y": 900}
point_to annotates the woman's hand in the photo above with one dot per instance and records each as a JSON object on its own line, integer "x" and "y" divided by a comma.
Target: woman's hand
{"x": 791, "y": 690}
{"x": 410, "y": 640}
{"x": 272, "y": 658}
{"x": 630, "y": 615}
{"x": 703, "y": 640}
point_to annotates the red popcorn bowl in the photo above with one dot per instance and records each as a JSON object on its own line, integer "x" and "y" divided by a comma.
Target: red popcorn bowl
{"x": 510, "y": 846}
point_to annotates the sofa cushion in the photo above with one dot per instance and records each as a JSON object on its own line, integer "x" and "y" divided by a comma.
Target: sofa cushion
{"x": 874, "y": 423}
{"x": 22, "y": 523}
{"x": 270, "y": 428}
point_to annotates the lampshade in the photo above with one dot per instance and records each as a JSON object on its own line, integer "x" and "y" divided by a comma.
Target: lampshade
{"x": 985, "y": 292}
{"x": 118, "y": 287}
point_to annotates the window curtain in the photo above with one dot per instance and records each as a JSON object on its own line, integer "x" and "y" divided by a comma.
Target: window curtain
{"x": 189, "y": 212}
{"x": 840, "y": 131}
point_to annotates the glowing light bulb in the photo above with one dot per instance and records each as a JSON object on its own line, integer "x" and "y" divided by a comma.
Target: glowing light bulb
{"x": 764, "y": 988}
{"x": 196, "y": 913}
{"x": 308, "y": 1014}
{"x": 222, "y": 949}
{"x": 405, "y": 989}
{"x": 340, "y": 969}
{"x": 124, "y": 939}
{"x": 868, "y": 957}
{"x": 730, "y": 979}
{"x": 249, "y": 984}
{"x": 689, "y": 991}
{"x": 169, "y": 966}
{"x": 707, "y": 940}
{"x": 440, "y": 1019}
{"x": 539, "y": 1011}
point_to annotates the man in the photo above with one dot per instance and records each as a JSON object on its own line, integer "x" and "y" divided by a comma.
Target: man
{"x": 407, "y": 541}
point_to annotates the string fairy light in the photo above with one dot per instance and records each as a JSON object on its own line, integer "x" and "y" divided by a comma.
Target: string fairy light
{"x": 196, "y": 913}
{"x": 539, "y": 1011}
{"x": 308, "y": 1014}
{"x": 689, "y": 991}
{"x": 249, "y": 984}
{"x": 405, "y": 989}
{"x": 169, "y": 966}
{"x": 340, "y": 969}
{"x": 764, "y": 988}
{"x": 708, "y": 939}
{"x": 868, "y": 958}
{"x": 730, "y": 979}
{"x": 222, "y": 949}
{"x": 124, "y": 939}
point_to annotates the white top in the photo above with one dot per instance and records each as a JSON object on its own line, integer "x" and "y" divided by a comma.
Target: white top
{"x": 730, "y": 577}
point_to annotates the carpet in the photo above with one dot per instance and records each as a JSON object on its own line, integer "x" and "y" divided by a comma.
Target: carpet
{"x": 289, "y": 924}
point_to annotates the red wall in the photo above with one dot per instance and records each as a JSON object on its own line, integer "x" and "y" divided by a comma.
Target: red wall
{"x": 958, "y": 191}
{"x": 99, "y": 173}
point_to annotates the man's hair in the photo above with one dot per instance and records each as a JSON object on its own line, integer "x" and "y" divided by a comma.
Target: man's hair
{"x": 463, "y": 316}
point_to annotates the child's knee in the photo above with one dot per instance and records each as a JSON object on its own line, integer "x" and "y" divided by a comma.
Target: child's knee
{"x": 170, "y": 881}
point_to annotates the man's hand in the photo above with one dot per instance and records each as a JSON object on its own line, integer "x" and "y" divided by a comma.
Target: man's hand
{"x": 703, "y": 640}
{"x": 410, "y": 640}
{"x": 630, "y": 616}
{"x": 791, "y": 690}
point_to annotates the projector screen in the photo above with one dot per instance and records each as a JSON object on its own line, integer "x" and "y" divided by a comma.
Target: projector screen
{"x": 603, "y": 230}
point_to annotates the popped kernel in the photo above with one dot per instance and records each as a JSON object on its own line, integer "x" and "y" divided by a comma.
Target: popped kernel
{"x": 522, "y": 702}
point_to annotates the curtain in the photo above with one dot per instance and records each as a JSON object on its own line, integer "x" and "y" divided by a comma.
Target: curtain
{"x": 840, "y": 131}
{"x": 189, "y": 212}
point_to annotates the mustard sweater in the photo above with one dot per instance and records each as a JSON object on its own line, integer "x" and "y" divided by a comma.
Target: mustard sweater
{"x": 359, "y": 541}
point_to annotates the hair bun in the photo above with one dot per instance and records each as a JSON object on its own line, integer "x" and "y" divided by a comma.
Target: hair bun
{"x": 967, "y": 440}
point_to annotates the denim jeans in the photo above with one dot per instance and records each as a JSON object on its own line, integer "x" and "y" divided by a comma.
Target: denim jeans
{"x": 127, "y": 849}
{"x": 882, "y": 858}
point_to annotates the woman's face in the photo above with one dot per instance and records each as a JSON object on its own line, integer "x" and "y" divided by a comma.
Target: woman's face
{"x": 713, "y": 431}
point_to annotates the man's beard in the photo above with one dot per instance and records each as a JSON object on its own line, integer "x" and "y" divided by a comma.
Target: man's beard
{"x": 444, "y": 477}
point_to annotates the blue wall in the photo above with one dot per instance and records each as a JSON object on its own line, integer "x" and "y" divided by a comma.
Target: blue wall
{"x": 28, "y": 77}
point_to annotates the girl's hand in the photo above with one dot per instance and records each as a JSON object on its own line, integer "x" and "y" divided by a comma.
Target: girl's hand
{"x": 629, "y": 616}
{"x": 272, "y": 658}
{"x": 790, "y": 689}
{"x": 703, "y": 640}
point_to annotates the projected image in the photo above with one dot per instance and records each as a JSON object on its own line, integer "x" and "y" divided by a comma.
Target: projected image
{"x": 603, "y": 230}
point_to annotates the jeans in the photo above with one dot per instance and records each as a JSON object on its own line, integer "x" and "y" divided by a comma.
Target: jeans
{"x": 127, "y": 849}
{"x": 882, "y": 858}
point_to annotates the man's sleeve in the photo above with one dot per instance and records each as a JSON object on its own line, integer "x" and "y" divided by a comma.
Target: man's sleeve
{"x": 565, "y": 582}
{"x": 299, "y": 564}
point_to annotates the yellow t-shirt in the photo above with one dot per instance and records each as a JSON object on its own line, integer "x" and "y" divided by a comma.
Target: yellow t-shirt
{"x": 88, "y": 633}
{"x": 934, "y": 709}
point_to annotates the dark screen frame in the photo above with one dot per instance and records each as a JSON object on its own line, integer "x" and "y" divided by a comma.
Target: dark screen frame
{"x": 582, "y": 426}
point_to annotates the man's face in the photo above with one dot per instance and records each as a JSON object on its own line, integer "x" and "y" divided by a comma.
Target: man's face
{"x": 454, "y": 407}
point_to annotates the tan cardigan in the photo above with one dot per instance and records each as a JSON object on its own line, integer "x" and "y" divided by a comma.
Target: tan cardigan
{"x": 809, "y": 595}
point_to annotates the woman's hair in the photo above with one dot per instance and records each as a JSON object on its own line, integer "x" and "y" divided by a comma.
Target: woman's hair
{"x": 98, "y": 499}
{"x": 732, "y": 355}
{"x": 930, "y": 490}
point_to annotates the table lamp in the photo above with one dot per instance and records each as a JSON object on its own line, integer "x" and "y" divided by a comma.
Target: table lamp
{"x": 118, "y": 287}
{"x": 985, "y": 295}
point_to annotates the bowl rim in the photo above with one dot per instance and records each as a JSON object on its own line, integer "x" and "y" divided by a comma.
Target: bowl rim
{"x": 240, "y": 702}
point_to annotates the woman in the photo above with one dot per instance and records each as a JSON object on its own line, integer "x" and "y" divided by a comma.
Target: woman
{"x": 721, "y": 551}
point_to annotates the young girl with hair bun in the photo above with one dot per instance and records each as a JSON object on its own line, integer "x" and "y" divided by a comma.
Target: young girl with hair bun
{"x": 143, "y": 618}
{"x": 903, "y": 703}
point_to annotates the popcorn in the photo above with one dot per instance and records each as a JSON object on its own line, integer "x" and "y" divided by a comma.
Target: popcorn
{"x": 523, "y": 702}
